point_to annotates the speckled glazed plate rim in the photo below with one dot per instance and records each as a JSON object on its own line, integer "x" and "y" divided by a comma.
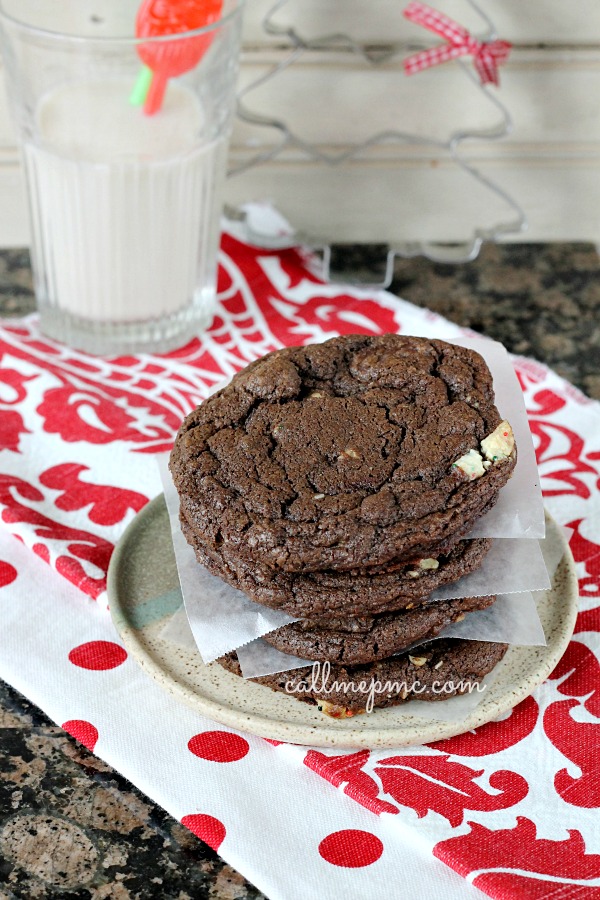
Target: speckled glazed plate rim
{"x": 230, "y": 700}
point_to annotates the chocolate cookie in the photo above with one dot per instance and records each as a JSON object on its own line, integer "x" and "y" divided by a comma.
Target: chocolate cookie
{"x": 370, "y": 638}
{"x": 332, "y": 593}
{"x": 346, "y": 454}
{"x": 436, "y": 671}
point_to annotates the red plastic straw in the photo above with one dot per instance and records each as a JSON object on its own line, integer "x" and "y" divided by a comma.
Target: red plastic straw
{"x": 168, "y": 59}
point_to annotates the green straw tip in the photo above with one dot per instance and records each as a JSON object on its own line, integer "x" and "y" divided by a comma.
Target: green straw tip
{"x": 141, "y": 87}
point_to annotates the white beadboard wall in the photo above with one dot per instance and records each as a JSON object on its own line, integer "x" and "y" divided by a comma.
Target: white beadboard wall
{"x": 397, "y": 192}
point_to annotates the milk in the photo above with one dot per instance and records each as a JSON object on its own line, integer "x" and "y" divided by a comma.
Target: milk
{"x": 125, "y": 207}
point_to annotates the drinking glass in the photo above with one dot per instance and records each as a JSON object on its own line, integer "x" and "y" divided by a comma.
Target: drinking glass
{"x": 124, "y": 203}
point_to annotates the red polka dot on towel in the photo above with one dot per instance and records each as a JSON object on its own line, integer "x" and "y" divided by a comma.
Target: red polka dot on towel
{"x": 219, "y": 746}
{"x": 351, "y": 848}
{"x": 82, "y": 731}
{"x": 207, "y": 828}
{"x": 8, "y": 573}
{"x": 98, "y": 655}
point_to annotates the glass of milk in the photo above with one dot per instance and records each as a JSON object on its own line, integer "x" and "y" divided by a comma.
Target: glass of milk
{"x": 125, "y": 207}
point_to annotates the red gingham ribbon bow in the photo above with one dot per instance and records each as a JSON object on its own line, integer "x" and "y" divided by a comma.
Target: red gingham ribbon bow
{"x": 487, "y": 55}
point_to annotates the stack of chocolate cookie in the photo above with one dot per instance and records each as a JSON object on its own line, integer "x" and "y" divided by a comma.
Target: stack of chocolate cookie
{"x": 337, "y": 482}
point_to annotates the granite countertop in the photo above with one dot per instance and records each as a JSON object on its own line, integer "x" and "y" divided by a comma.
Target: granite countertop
{"x": 70, "y": 826}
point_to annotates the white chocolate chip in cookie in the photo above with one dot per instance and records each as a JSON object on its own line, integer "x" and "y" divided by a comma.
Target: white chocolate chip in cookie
{"x": 500, "y": 443}
{"x": 429, "y": 563}
{"x": 471, "y": 464}
{"x": 417, "y": 660}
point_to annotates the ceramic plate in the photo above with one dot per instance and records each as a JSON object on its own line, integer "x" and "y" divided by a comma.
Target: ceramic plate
{"x": 144, "y": 593}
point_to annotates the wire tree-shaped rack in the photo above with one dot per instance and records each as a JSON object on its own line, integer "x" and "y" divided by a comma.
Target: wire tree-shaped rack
{"x": 453, "y": 147}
